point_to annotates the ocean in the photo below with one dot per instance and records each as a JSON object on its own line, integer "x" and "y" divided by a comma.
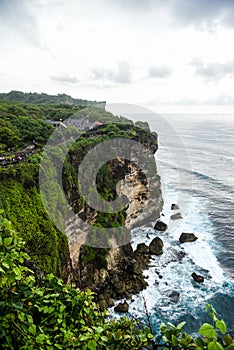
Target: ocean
{"x": 196, "y": 163}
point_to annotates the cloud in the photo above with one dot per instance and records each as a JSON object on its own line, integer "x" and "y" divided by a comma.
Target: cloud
{"x": 213, "y": 71}
{"x": 159, "y": 71}
{"x": 65, "y": 78}
{"x": 202, "y": 11}
{"x": 184, "y": 12}
{"x": 18, "y": 17}
{"x": 134, "y": 5}
{"x": 122, "y": 73}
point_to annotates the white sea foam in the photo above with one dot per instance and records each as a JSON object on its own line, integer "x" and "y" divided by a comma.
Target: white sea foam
{"x": 214, "y": 159}
{"x": 169, "y": 275}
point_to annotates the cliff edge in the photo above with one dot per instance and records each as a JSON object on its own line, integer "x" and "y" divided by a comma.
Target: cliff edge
{"x": 114, "y": 267}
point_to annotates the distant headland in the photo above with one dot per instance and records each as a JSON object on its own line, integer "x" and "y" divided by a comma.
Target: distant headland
{"x": 43, "y": 98}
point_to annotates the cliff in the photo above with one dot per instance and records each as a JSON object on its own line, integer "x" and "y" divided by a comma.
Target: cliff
{"x": 69, "y": 256}
{"x": 114, "y": 266}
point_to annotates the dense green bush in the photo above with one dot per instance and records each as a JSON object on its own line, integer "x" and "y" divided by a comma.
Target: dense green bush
{"x": 23, "y": 206}
{"x": 49, "y": 315}
{"x": 22, "y": 123}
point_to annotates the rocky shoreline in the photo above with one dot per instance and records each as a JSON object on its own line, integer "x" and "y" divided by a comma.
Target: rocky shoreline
{"x": 128, "y": 278}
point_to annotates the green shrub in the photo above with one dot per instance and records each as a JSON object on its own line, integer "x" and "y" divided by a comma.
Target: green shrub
{"x": 214, "y": 335}
{"x": 50, "y": 315}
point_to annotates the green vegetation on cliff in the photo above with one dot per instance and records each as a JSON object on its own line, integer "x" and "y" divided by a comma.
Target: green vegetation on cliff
{"x": 42, "y": 98}
{"x": 43, "y": 313}
{"x": 23, "y": 124}
{"x": 21, "y": 201}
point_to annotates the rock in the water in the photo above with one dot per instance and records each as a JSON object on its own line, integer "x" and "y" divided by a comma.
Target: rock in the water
{"x": 142, "y": 248}
{"x": 122, "y": 307}
{"x": 187, "y": 237}
{"x": 174, "y": 296}
{"x": 160, "y": 226}
{"x": 197, "y": 278}
{"x": 156, "y": 246}
{"x": 174, "y": 206}
{"x": 176, "y": 216}
{"x": 110, "y": 302}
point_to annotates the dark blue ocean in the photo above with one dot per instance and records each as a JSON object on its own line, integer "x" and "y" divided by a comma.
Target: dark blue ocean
{"x": 196, "y": 163}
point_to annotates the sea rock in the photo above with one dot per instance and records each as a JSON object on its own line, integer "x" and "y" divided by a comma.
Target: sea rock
{"x": 122, "y": 307}
{"x": 141, "y": 262}
{"x": 187, "y": 237}
{"x": 142, "y": 248}
{"x": 174, "y": 296}
{"x": 197, "y": 278}
{"x": 126, "y": 250}
{"x": 156, "y": 246}
{"x": 126, "y": 265}
{"x": 110, "y": 302}
{"x": 176, "y": 216}
{"x": 174, "y": 206}
{"x": 102, "y": 304}
{"x": 160, "y": 226}
{"x": 138, "y": 267}
{"x": 118, "y": 285}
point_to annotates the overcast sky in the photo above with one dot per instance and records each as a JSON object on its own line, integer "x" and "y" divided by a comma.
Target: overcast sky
{"x": 148, "y": 52}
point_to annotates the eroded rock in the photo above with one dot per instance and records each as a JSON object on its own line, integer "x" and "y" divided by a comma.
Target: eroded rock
{"x": 122, "y": 307}
{"x": 187, "y": 237}
{"x": 102, "y": 304}
{"x": 156, "y": 246}
{"x": 160, "y": 226}
{"x": 118, "y": 284}
{"x": 142, "y": 248}
{"x": 110, "y": 302}
{"x": 176, "y": 216}
{"x": 197, "y": 278}
{"x": 174, "y": 206}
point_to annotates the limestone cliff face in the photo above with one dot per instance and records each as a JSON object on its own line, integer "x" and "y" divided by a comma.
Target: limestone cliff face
{"x": 144, "y": 205}
{"x": 141, "y": 208}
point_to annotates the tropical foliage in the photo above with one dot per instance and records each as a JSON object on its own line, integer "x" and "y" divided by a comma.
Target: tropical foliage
{"x": 212, "y": 336}
{"x": 18, "y": 96}
{"x": 39, "y": 312}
